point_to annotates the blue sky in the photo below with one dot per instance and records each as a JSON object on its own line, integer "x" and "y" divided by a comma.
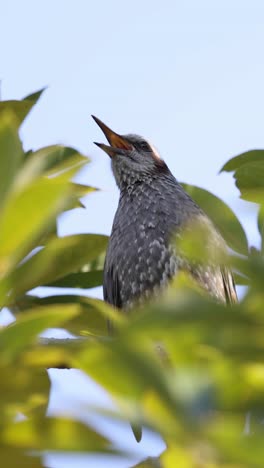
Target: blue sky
{"x": 187, "y": 75}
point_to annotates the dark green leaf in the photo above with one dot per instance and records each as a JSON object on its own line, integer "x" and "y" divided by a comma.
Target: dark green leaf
{"x": 91, "y": 279}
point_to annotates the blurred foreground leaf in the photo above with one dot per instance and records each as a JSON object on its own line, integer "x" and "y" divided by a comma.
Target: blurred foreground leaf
{"x": 180, "y": 364}
{"x": 92, "y": 316}
{"x": 16, "y": 336}
{"x": 55, "y": 434}
{"x": 61, "y": 256}
{"x": 13, "y": 457}
{"x": 222, "y": 216}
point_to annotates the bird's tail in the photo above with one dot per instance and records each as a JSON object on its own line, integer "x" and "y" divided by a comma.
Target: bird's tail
{"x": 137, "y": 431}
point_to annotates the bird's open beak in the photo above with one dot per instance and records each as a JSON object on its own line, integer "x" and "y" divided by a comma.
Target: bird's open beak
{"x": 116, "y": 141}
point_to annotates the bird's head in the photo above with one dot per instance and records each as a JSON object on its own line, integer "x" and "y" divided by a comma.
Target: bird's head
{"x": 132, "y": 157}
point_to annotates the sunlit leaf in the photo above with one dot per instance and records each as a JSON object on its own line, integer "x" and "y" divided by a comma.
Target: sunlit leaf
{"x": 181, "y": 364}
{"x": 177, "y": 456}
{"x": 224, "y": 432}
{"x": 20, "y": 108}
{"x": 22, "y": 220}
{"x": 10, "y": 153}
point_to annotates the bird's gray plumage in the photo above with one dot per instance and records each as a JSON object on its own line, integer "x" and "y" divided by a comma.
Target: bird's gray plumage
{"x": 152, "y": 207}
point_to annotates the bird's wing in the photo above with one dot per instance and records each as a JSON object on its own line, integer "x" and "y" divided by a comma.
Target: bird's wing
{"x": 111, "y": 287}
{"x": 217, "y": 281}
{"x": 229, "y": 286}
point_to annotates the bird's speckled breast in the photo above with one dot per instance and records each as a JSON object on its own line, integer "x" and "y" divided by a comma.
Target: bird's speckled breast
{"x": 139, "y": 256}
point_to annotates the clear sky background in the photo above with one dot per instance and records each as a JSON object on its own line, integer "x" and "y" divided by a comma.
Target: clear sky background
{"x": 188, "y": 75}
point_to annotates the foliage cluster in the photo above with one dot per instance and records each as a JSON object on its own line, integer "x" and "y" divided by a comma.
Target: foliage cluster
{"x": 196, "y": 395}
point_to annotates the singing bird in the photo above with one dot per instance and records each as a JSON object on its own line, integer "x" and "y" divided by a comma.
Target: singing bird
{"x": 153, "y": 206}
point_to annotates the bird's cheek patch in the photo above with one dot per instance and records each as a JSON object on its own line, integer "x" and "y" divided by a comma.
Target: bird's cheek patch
{"x": 155, "y": 152}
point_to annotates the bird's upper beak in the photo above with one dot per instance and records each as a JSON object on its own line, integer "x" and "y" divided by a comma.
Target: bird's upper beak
{"x": 116, "y": 141}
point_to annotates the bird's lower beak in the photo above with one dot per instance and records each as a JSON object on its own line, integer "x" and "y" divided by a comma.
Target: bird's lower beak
{"x": 108, "y": 149}
{"x": 116, "y": 141}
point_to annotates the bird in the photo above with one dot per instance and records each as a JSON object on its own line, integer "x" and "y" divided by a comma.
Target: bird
{"x": 141, "y": 258}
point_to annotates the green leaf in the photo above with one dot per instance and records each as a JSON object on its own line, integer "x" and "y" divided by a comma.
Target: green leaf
{"x": 91, "y": 279}
{"x": 92, "y": 318}
{"x": 20, "y": 108}
{"x": 82, "y": 190}
{"x": 29, "y": 395}
{"x": 25, "y": 330}
{"x": 244, "y": 158}
{"x": 248, "y": 171}
{"x": 153, "y": 462}
{"x": 13, "y": 457}
{"x": 260, "y": 223}
{"x": 70, "y": 436}
{"x": 79, "y": 191}
{"x": 250, "y": 181}
{"x": 177, "y": 455}
{"x": 51, "y": 161}
{"x": 138, "y": 369}
{"x": 10, "y": 153}
{"x": 60, "y": 257}
{"x": 222, "y": 216}
{"x": 89, "y": 321}
{"x": 26, "y": 215}
{"x": 34, "y": 97}
{"x": 240, "y": 279}
{"x": 67, "y": 158}
{"x": 53, "y": 353}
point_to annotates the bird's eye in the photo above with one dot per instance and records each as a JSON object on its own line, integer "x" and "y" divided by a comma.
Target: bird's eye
{"x": 144, "y": 146}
